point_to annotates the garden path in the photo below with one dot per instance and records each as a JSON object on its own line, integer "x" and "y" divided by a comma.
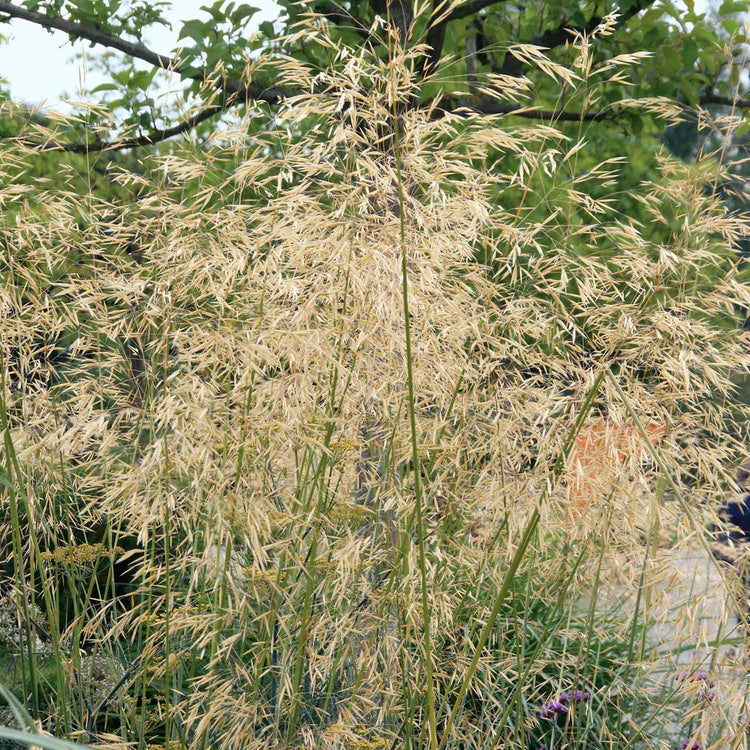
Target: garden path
{"x": 694, "y": 610}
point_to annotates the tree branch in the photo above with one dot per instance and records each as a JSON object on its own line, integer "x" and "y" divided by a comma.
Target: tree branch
{"x": 338, "y": 15}
{"x": 436, "y": 33}
{"x": 725, "y": 100}
{"x": 435, "y": 40}
{"x": 486, "y": 106}
{"x": 483, "y": 105}
{"x": 144, "y": 140}
{"x": 271, "y": 95}
{"x": 400, "y": 14}
{"x": 468, "y": 9}
{"x": 556, "y": 37}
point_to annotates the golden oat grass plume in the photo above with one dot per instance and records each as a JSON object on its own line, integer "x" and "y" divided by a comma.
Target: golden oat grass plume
{"x": 215, "y": 377}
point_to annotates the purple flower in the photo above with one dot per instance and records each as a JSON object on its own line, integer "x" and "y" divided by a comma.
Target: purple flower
{"x": 696, "y": 676}
{"x": 560, "y": 706}
{"x": 705, "y": 692}
{"x": 691, "y": 745}
{"x": 550, "y": 708}
{"x": 574, "y": 696}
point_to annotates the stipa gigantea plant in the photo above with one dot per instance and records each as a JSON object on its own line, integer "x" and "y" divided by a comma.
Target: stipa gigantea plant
{"x": 326, "y": 494}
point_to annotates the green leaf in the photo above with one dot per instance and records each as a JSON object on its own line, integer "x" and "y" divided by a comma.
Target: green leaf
{"x": 731, "y": 6}
{"x": 671, "y": 64}
{"x": 712, "y": 63}
{"x": 266, "y": 28}
{"x": 655, "y": 36}
{"x": 141, "y": 79}
{"x": 730, "y": 25}
{"x": 87, "y": 6}
{"x": 578, "y": 19}
{"x": 189, "y": 71}
{"x": 689, "y": 92}
{"x": 215, "y": 11}
{"x": 651, "y": 16}
{"x": 104, "y": 87}
{"x": 689, "y": 52}
{"x": 21, "y": 714}
{"x": 704, "y": 34}
{"x": 215, "y": 53}
{"x": 40, "y": 740}
{"x": 636, "y": 123}
{"x": 123, "y": 76}
{"x": 734, "y": 75}
{"x": 196, "y": 30}
{"x": 244, "y": 11}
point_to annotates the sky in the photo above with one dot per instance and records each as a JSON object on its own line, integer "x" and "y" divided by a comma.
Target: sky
{"x": 38, "y": 65}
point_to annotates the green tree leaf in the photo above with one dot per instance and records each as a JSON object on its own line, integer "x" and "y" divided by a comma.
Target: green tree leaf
{"x": 243, "y": 12}
{"x": 195, "y": 30}
{"x": 728, "y": 7}
{"x": 267, "y": 29}
{"x": 689, "y": 52}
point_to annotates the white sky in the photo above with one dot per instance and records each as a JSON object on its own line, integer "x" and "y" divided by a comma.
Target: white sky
{"x": 38, "y": 65}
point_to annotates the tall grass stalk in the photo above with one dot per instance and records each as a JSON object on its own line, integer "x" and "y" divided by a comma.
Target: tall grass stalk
{"x": 426, "y": 609}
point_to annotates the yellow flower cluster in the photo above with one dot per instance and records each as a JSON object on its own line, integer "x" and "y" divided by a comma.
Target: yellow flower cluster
{"x": 345, "y": 514}
{"x": 344, "y": 445}
{"x": 392, "y": 599}
{"x": 325, "y": 567}
{"x": 375, "y": 743}
{"x": 186, "y": 610}
{"x": 159, "y": 664}
{"x": 256, "y": 575}
{"x": 79, "y": 555}
{"x": 276, "y": 518}
{"x": 158, "y": 619}
{"x": 168, "y": 745}
{"x": 261, "y": 581}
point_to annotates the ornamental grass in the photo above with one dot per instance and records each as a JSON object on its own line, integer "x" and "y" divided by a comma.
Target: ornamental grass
{"x": 315, "y": 401}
